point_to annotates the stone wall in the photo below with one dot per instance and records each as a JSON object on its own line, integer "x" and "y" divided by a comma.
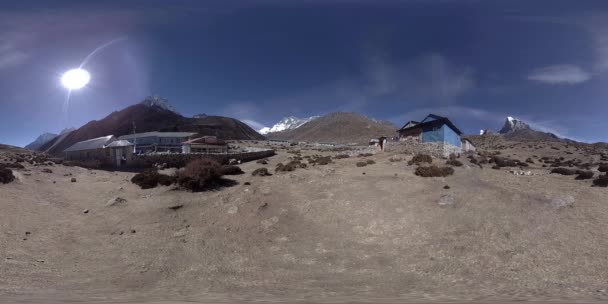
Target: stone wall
{"x": 180, "y": 160}
{"x": 436, "y": 149}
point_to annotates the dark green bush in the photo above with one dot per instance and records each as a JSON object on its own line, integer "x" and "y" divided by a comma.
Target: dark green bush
{"x": 420, "y": 158}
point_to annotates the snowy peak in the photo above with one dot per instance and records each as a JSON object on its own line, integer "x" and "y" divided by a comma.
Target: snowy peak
{"x": 287, "y": 123}
{"x": 41, "y": 140}
{"x": 513, "y": 124}
{"x": 159, "y": 102}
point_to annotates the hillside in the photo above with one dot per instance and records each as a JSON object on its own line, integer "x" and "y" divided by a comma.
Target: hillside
{"x": 339, "y": 127}
{"x": 150, "y": 117}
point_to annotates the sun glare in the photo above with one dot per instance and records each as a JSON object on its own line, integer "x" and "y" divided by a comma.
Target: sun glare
{"x": 75, "y": 79}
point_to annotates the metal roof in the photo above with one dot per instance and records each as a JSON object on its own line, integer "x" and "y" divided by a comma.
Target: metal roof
{"x": 119, "y": 143}
{"x": 157, "y": 134}
{"x": 438, "y": 120}
{"x": 91, "y": 144}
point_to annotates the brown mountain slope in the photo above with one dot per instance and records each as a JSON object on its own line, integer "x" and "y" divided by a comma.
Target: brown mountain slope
{"x": 153, "y": 118}
{"x": 338, "y": 127}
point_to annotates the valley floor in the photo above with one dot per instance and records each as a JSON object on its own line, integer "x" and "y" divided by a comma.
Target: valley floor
{"x": 337, "y": 231}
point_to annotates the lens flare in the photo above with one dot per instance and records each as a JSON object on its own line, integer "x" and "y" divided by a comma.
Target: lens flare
{"x": 75, "y": 79}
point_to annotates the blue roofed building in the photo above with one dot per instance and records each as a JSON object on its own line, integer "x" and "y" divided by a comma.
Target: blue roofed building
{"x": 435, "y": 130}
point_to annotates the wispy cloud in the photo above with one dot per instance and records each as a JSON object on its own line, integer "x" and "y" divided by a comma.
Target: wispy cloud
{"x": 559, "y": 74}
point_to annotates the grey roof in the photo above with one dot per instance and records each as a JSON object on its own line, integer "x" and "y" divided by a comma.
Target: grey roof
{"x": 91, "y": 144}
{"x": 157, "y": 134}
{"x": 120, "y": 143}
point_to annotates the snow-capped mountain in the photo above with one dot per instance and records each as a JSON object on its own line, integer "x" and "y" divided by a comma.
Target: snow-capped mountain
{"x": 287, "y": 123}
{"x": 513, "y": 124}
{"x": 41, "y": 140}
{"x": 159, "y": 102}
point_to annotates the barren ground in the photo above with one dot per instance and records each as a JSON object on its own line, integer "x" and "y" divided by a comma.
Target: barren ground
{"x": 325, "y": 231}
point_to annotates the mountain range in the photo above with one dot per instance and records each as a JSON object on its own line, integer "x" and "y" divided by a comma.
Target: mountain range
{"x": 338, "y": 127}
{"x": 152, "y": 114}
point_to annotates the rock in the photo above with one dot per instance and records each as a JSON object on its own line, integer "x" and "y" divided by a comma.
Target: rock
{"x": 47, "y": 170}
{"x": 133, "y": 231}
{"x": 247, "y": 183}
{"x": 520, "y": 172}
{"x": 446, "y": 200}
{"x": 562, "y": 202}
{"x": 446, "y": 187}
{"x": 116, "y": 201}
{"x": 233, "y": 161}
{"x": 73, "y": 180}
{"x": 263, "y": 206}
{"x": 176, "y": 206}
{"x": 85, "y": 211}
{"x": 233, "y": 210}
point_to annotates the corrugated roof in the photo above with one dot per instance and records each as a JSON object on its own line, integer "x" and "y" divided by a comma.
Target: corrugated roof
{"x": 120, "y": 143}
{"x": 209, "y": 140}
{"x": 91, "y": 144}
{"x": 157, "y": 134}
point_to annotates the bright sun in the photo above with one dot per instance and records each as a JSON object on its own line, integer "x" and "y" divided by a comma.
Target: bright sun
{"x": 75, "y": 79}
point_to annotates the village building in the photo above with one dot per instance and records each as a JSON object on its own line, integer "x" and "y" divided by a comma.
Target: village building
{"x": 467, "y": 146}
{"x": 438, "y": 133}
{"x": 106, "y": 150}
{"x": 205, "y": 144}
{"x": 157, "y": 141}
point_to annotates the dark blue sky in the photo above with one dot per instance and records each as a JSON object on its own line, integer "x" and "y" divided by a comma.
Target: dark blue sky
{"x": 545, "y": 62}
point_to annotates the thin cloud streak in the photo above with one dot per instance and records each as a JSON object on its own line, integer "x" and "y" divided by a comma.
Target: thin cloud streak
{"x": 559, "y": 74}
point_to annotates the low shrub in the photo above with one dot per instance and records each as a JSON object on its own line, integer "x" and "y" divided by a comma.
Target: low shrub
{"x": 150, "y": 178}
{"x": 361, "y": 164}
{"x": 420, "y": 158}
{"x": 6, "y": 175}
{"x": 603, "y": 168}
{"x": 290, "y": 166}
{"x": 370, "y": 161}
{"x": 261, "y": 172}
{"x": 563, "y": 171}
{"x": 394, "y": 159}
{"x": 200, "y": 175}
{"x": 14, "y": 165}
{"x": 319, "y": 160}
{"x": 366, "y": 154}
{"x": 584, "y": 175}
{"x": 341, "y": 156}
{"x": 495, "y": 167}
{"x": 434, "y": 171}
{"x": 454, "y": 162}
{"x": 231, "y": 170}
{"x": 601, "y": 181}
{"x": 262, "y": 161}
{"x": 529, "y": 160}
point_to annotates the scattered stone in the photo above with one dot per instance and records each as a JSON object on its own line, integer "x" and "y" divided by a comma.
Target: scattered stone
{"x": 116, "y": 201}
{"x": 133, "y": 231}
{"x": 73, "y": 180}
{"x": 446, "y": 200}
{"x": 562, "y": 201}
{"x": 263, "y": 206}
{"x": 47, "y": 170}
{"x": 446, "y": 187}
{"x": 86, "y": 211}
{"x": 520, "y": 172}
{"x": 247, "y": 183}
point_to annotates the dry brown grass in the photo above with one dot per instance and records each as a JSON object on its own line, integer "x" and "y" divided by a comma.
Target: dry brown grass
{"x": 434, "y": 171}
{"x": 420, "y": 158}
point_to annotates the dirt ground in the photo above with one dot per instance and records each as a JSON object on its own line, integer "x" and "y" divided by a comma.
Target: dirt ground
{"x": 332, "y": 231}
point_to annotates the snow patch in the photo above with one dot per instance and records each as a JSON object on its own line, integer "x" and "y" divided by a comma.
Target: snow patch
{"x": 288, "y": 123}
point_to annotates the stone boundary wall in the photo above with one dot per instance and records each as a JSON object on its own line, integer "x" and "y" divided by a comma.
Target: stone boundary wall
{"x": 436, "y": 149}
{"x": 180, "y": 160}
